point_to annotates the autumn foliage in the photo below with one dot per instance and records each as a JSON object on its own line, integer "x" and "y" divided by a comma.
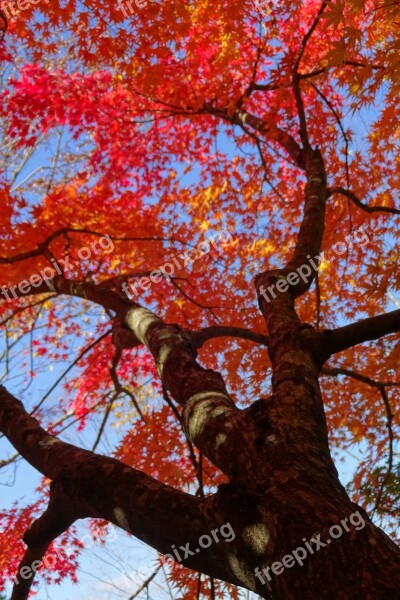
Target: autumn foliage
{"x": 160, "y": 130}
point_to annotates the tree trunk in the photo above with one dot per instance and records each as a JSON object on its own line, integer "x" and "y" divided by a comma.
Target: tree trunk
{"x": 297, "y": 534}
{"x": 307, "y": 539}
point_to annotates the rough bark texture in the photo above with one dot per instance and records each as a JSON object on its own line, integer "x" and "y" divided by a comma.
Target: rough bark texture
{"x": 283, "y": 487}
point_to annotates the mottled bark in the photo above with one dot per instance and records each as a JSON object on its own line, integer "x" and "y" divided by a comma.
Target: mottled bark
{"x": 283, "y": 487}
{"x": 89, "y": 485}
{"x": 304, "y": 491}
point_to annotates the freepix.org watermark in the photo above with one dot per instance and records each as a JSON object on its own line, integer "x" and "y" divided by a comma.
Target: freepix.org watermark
{"x": 127, "y": 7}
{"x": 300, "y": 554}
{"x": 11, "y": 9}
{"x": 53, "y": 557}
{"x": 304, "y": 272}
{"x": 223, "y": 238}
{"x": 204, "y": 541}
{"x": 223, "y": 533}
{"x": 104, "y": 245}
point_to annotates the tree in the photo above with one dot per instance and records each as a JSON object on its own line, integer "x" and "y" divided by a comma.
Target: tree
{"x": 196, "y": 159}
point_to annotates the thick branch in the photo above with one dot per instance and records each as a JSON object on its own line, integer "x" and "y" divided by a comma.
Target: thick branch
{"x": 284, "y": 139}
{"x": 211, "y": 420}
{"x": 202, "y": 392}
{"x": 308, "y": 245}
{"x": 100, "y": 487}
{"x": 145, "y": 584}
{"x": 111, "y": 300}
{"x": 43, "y": 451}
{"x": 331, "y": 342}
{"x": 312, "y": 227}
{"x": 295, "y": 368}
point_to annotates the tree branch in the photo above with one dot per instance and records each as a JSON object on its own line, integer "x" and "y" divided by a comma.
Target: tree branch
{"x": 296, "y": 80}
{"x": 380, "y": 386}
{"x": 389, "y": 421}
{"x": 335, "y": 371}
{"x": 88, "y": 348}
{"x": 100, "y": 487}
{"x": 334, "y": 341}
{"x": 43, "y": 246}
{"x": 281, "y": 137}
{"x": 201, "y": 392}
{"x": 369, "y": 209}
{"x": 58, "y": 517}
{"x": 145, "y": 583}
{"x": 307, "y": 247}
{"x": 210, "y": 418}
{"x": 215, "y": 331}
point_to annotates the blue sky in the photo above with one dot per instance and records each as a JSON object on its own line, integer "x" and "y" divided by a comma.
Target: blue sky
{"x": 110, "y": 571}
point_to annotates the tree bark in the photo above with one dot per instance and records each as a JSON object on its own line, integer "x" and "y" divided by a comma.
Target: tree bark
{"x": 283, "y": 491}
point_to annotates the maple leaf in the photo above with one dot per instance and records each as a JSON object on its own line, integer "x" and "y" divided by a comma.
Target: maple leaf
{"x": 199, "y": 260}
